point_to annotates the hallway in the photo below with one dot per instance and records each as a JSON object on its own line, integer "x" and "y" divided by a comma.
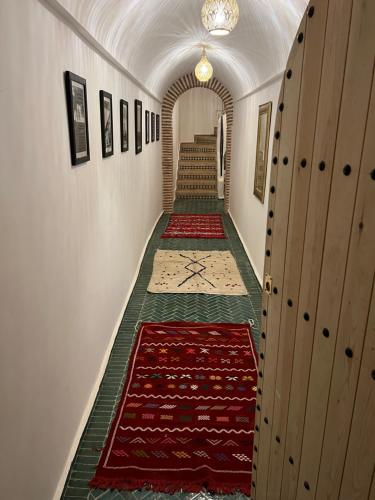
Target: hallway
{"x": 126, "y": 360}
{"x": 151, "y": 307}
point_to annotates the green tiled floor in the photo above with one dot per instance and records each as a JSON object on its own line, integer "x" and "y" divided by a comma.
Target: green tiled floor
{"x": 144, "y": 306}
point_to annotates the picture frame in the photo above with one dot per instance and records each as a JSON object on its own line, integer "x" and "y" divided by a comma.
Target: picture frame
{"x": 147, "y": 127}
{"x": 138, "y": 125}
{"x": 157, "y": 127}
{"x": 261, "y": 159}
{"x": 152, "y": 127}
{"x": 106, "y": 123}
{"x": 124, "y": 125}
{"x": 76, "y": 99}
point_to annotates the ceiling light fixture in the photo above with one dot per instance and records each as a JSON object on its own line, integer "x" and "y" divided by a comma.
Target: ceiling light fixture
{"x": 220, "y": 16}
{"x": 203, "y": 70}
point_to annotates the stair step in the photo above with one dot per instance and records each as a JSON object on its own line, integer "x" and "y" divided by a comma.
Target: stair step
{"x": 206, "y": 164}
{"x": 196, "y": 184}
{"x": 196, "y": 174}
{"x": 193, "y": 146}
{"x": 196, "y": 155}
{"x": 196, "y": 194}
{"x": 200, "y": 169}
{"x": 197, "y": 171}
{"x": 205, "y": 139}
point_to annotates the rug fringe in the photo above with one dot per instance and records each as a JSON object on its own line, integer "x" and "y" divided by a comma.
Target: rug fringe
{"x": 169, "y": 486}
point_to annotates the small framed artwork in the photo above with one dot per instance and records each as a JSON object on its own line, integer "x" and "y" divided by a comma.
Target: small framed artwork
{"x": 147, "y": 126}
{"x": 152, "y": 127}
{"x": 157, "y": 127}
{"x": 138, "y": 125}
{"x": 260, "y": 177}
{"x": 76, "y": 98}
{"x": 124, "y": 125}
{"x": 106, "y": 122}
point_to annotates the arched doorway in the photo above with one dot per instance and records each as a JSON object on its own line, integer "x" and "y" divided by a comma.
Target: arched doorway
{"x": 175, "y": 91}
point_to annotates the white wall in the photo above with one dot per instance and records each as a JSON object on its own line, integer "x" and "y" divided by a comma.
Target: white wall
{"x": 198, "y": 113}
{"x": 70, "y": 242}
{"x": 176, "y": 141}
{"x": 248, "y": 213}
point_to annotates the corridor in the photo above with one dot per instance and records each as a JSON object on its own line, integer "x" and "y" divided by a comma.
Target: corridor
{"x": 187, "y": 241}
{"x": 151, "y": 307}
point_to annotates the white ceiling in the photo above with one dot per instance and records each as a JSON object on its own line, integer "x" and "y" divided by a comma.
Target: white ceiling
{"x": 157, "y": 41}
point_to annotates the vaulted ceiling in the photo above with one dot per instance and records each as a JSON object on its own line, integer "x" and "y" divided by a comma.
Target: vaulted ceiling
{"x": 158, "y": 41}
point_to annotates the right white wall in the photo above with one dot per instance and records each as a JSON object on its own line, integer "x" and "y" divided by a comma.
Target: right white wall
{"x": 247, "y": 212}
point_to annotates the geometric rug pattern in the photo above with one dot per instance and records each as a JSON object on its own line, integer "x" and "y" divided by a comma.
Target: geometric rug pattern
{"x": 147, "y": 307}
{"x": 213, "y": 272}
{"x": 186, "y": 415}
{"x": 194, "y": 226}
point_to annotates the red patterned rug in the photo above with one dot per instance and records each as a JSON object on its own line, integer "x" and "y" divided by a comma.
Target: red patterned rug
{"x": 195, "y": 226}
{"x": 186, "y": 416}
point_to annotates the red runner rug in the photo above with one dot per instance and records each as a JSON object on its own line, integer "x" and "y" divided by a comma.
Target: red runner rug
{"x": 186, "y": 416}
{"x": 195, "y": 226}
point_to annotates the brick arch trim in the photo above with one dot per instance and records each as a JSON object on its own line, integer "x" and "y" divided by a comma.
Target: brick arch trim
{"x": 174, "y": 92}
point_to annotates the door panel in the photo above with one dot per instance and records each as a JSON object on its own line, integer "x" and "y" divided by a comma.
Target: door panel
{"x": 320, "y": 252}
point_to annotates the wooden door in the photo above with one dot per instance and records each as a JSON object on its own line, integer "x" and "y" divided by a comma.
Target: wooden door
{"x": 315, "y": 423}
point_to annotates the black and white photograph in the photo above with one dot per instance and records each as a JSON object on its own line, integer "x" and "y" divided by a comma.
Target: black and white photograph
{"x": 76, "y": 97}
{"x": 157, "y": 127}
{"x": 152, "y": 127}
{"x": 138, "y": 125}
{"x": 124, "y": 124}
{"x": 106, "y": 118}
{"x": 147, "y": 126}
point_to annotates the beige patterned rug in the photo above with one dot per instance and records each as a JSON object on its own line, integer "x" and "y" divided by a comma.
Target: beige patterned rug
{"x": 180, "y": 271}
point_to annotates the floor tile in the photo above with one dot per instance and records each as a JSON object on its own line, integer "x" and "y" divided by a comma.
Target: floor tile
{"x": 144, "y": 306}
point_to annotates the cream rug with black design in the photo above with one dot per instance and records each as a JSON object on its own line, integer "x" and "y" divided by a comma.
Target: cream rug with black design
{"x": 180, "y": 271}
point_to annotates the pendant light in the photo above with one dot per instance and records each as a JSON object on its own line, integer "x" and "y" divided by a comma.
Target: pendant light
{"x": 203, "y": 70}
{"x": 220, "y": 16}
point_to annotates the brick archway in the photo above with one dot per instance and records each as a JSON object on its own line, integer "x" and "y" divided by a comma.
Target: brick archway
{"x": 175, "y": 90}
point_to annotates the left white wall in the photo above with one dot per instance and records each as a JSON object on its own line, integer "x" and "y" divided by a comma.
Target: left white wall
{"x": 71, "y": 239}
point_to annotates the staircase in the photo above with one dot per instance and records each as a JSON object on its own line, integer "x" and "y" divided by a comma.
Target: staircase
{"x": 197, "y": 169}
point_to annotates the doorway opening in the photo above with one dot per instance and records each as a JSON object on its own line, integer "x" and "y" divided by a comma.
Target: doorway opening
{"x": 198, "y": 145}
{"x": 220, "y": 146}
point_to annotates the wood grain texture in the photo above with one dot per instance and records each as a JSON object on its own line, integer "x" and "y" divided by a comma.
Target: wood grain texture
{"x": 360, "y": 270}
{"x": 358, "y": 474}
{"x": 315, "y": 385}
{"x": 314, "y": 35}
{"x": 289, "y": 109}
{"x": 349, "y": 145}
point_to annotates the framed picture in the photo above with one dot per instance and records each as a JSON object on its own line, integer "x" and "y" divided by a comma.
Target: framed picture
{"x": 152, "y": 127}
{"x": 147, "y": 126}
{"x": 157, "y": 127}
{"x": 124, "y": 125}
{"x": 76, "y": 98}
{"x": 260, "y": 177}
{"x": 106, "y": 122}
{"x": 138, "y": 125}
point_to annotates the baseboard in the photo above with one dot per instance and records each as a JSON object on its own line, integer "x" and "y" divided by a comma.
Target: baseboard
{"x": 258, "y": 276}
{"x": 94, "y": 392}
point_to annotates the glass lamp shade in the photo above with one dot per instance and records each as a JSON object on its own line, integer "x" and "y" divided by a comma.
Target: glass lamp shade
{"x": 203, "y": 70}
{"x": 220, "y": 16}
